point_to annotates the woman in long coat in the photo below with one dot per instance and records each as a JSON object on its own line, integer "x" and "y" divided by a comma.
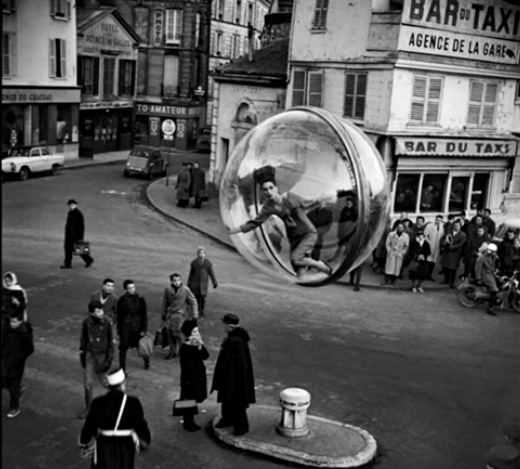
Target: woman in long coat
{"x": 183, "y": 186}
{"x": 397, "y": 243}
{"x": 453, "y": 245}
{"x": 419, "y": 252}
{"x": 193, "y": 371}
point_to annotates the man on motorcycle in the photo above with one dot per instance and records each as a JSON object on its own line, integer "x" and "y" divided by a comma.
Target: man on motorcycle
{"x": 485, "y": 269}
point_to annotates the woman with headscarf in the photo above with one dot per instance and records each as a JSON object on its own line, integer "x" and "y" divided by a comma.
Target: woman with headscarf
{"x": 289, "y": 207}
{"x": 14, "y": 298}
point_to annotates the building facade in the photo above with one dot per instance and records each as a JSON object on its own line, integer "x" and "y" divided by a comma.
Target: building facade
{"x": 107, "y": 73}
{"x": 40, "y": 96}
{"x": 434, "y": 84}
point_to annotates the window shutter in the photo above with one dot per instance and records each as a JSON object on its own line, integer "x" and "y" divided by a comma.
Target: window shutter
{"x": 298, "y": 88}
{"x": 315, "y": 85}
{"x": 169, "y": 26}
{"x": 350, "y": 91}
{"x": 434, "y": 98}
{"x": 361, "y": 91}
{"x": 95, "y": 77}
{"x": 178, "y": 26}
{"x": 53, "y": 7}
{"x": 69, "y": 10}
{"x": 52, "y": 57}
{"x": 12, "y": 55}
{"x": 63, "y": 58}
{"x": 418, "y": 98}
{"x": 490, "y": 98}
{"x": 476, "y": 92}
{"x": 6, "y": 45}
{"x": 121, "y": 79}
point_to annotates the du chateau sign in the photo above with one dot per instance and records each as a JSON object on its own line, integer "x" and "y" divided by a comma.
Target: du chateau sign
{"x": 486, "y": 148}
{"x": 484, "y": 30}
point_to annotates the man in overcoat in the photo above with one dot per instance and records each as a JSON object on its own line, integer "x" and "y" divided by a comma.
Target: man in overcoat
{"x": 474, "y": 241}
{"x": 183, "y": 186}
{"x": 453, "y": 245}
{"x": 117, "y": 423}
{"x": 397, "y": 244}
{"x": 198, "y": 184}
{"x": 233, "y": 378}
{"x": 201, "y": 270}
{"x": 132, "y": 321}
{"x": 74, "y": 231}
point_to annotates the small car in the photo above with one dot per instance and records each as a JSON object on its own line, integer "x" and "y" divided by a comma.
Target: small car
{"x": 146, "y": 161}
{"x": 204, "y": 140}
{"x": 24, "y": 161}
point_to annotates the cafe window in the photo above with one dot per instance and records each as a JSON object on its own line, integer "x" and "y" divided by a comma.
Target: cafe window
{"x": 426, "y": 99}
{"x": 482, "y": 103}
{"x": 8, "y": 54}
{"x": 88, "y": 77}
{"x": 406, "y": 192}
{"x": 432, "y": 192}
{"x": 479, "y": 191}
{"x": 458, "y": 194}
{"x": 57, "y": 58}
{"x": 173, "y": 27}
{"x": 109, "y": 65}
{"x": 126, "y": 77}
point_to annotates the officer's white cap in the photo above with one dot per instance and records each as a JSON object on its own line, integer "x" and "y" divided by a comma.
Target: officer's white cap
{"x": 116, "y": 378}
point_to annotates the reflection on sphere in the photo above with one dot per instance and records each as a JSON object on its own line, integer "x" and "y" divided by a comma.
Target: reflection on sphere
{"x": 307, "y": 192}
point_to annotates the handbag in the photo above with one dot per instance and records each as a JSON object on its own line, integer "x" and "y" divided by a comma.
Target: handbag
{"x": 414, "y": 265}
{"x": 145, "y": 346}
{"x": 203, "y": 195}
{"x": 81, "y": 248}
{"x": 184, "y": 407}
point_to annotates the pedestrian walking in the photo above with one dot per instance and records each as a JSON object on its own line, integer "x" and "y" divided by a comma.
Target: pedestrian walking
{"x": 198, "y": 181}
{"x": 452, "y": 248}
{"x": 201, "y": 270}
{"x": 74, "y": 232}
{"x": 183, "y": 186}
{"x": 132, "y": 321}
{"x": 193, "y": 371}
{"x": 106, "y": 297}
{"x": 434, "y": 233}
{"x": 14, "y": 299}
{"x": 233, "y": 378}
{"x": 178, "y": 300}
{"x": 116, "y": 421}
{"x": 485, "y": 274}
{"x": 418, "y": 269}
{"x": 397, "y": 243}
{"x": 17, "y": 346}
{"x": 96, "y": 351}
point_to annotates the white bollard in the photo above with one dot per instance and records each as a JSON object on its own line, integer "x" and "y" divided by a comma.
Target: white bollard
{"x": 294, "y": 402}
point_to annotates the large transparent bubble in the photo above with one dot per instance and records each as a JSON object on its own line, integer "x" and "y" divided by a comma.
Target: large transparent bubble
{"x": 308, "y": 192}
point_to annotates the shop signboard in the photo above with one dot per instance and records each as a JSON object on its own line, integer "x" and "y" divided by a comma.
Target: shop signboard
{"x": 484, "y": 30}
{"x": 167, "y": 110}
{"x": 39, "y": 95}
{"x": 158, "y": 26}
{"x": 107, "y": 35}
{"x": 168, "y": 128}
{"x": 483, "y": 148}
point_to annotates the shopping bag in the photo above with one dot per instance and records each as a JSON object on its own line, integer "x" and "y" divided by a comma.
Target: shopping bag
{"x": 145, "y": 346}
{"x": 184, "y": 407}
{"x": 81, "y": 248}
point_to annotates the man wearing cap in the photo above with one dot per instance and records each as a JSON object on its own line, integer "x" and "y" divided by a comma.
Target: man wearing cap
{"x": 117, "y": 422}
{"x": 201, "y": 270}
{"x": 183, "y": 186}
{"x": 198, "y": 184}
{"x": 233, "y": 378}
{"x": 74, "y": 231}
{"x": 485, "y": 269}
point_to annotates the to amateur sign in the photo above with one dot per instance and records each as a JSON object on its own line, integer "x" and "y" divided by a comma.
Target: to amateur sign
{"x": 484, "y": 30}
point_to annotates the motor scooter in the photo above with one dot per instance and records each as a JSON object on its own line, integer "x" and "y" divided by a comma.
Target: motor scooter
{"x": 470, "y": 295}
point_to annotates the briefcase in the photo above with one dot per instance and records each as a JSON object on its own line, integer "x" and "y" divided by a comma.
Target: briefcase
{"x": 81, "y": 248}
{"x": 184, "y": 407}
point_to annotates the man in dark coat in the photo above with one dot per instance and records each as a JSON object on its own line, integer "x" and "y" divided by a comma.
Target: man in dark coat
{"x": 201, "y": 270}
{"x": 117, "y": 438}
{"x": 488, "y": 222}
{"x": 17, "y": 345}
{"x": 74, "y": 231}
{"x": 108, "y": 300}
{"x": 475, "y": 239}
{"x": 233, "y": 377}
{"x": 132, "y": 321}
{"x": 453, "y": 245}
{"x": 183, "y": 186}
{"x": 198, "y": 184}
{"x": 506, "y": 253}
{"x": 485, "y": 274}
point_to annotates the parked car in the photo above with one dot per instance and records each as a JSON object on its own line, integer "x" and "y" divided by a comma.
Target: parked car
{"x": 146, "y": 161}
{"x": 204, "y": 140}
{"x": 500, "y": 232}
{"x": 24, "y": 161}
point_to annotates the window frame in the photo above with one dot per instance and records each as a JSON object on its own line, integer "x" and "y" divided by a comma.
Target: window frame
{"x": 126, "y": 87}
{"x": 10, "y": 56}
{"x": 235, "y": 52}
{"x": 61, "y": 9}
{"x": 319, "y": 20}
{"x": 175, "y": 37}
{"x": 426, "y": 101}
{"x": 308, "y": 95}
{"x": 108, "y": 79}
{"x": 356, "y": 94}
{"x": 198, "y": 35}
{"x": 58, "y": 64}
{"x": 8, "y": 6}
{"x": 88, "y": 79}
{"x": 482, "y": 104}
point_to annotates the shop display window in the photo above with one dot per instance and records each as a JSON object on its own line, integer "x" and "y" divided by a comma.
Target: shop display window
{"x": 479, "y": 192}
{"x": 458, "y": 194}
{"x": 432, "y": 192}
{"x": 64, "y": 124}
{"x": 406, "y": 192}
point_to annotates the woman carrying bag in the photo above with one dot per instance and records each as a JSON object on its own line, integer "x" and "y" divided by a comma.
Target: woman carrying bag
{"x": 193, "y": 372}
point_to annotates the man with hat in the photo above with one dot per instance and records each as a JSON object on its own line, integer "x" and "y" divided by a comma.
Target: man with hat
{"x": 117, "y": 422}
{"x": 74, "y": 231}
{"x": 201, "y": 270}
{"x": 233, "y": 378}
{"x": 485, "y": 269}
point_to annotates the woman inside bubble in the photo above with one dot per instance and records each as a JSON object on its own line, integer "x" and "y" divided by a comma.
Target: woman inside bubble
{"x": 291, "y": 209}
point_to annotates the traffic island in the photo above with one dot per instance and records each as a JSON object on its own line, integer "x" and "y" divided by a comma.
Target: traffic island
{"x": 328, "y": 443}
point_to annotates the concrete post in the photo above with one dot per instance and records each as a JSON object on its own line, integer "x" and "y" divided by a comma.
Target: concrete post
{"x": 294, "y": 402}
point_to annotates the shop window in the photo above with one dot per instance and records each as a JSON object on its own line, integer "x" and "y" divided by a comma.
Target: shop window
{"x": 171, "y": 75}
{"x": 320, "y": 14}
{"x": 479, "y": 192}
{"x": 57, "y": 58}
{"x": 43, "y": 124}
{"x": 482, "y": 103}
{"x": 109, "y": 65}
{"x": 64, "y": 123}
{"x": 307, "y": 88}
{"x": 8, "y": 54}
{"x": 355, "y": 95}
{"x": 432, "y": 193}
{"x": 458, "y": 194}
{"x": 406, "y": 192}
{"x": 126, "y": 77}
{"x": 12, "y": 126}
{"x": 173, "y": 27}
{"x": 88, "y": 77}
{"x": 60, "y": 9}
{"x": 426, "y": 98}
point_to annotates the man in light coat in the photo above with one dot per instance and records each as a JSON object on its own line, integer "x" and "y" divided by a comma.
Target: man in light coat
{"x": 397, "y": 244}
{"x": 434, "y": 232}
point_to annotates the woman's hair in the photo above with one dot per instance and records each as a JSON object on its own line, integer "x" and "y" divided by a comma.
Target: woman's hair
{"x": 264, "y": 174}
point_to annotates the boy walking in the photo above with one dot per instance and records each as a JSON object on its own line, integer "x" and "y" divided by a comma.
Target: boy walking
{"x": 17, "y": 346}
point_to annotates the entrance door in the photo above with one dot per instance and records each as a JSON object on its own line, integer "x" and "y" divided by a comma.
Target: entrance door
{"x": 105, "y": 134}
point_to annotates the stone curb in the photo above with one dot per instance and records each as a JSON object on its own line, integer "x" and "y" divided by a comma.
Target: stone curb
{"x": 93, "y": 163}
{"x": 301, "y": 457}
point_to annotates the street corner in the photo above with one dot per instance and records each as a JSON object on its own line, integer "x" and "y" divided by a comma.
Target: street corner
{"x": 328, "y": 443}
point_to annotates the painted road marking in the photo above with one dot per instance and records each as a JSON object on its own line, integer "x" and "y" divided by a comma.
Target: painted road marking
{"x": 114, "y": 192}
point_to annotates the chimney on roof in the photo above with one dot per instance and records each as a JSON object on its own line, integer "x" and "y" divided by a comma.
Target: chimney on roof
{"x": 250, "y": 36}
